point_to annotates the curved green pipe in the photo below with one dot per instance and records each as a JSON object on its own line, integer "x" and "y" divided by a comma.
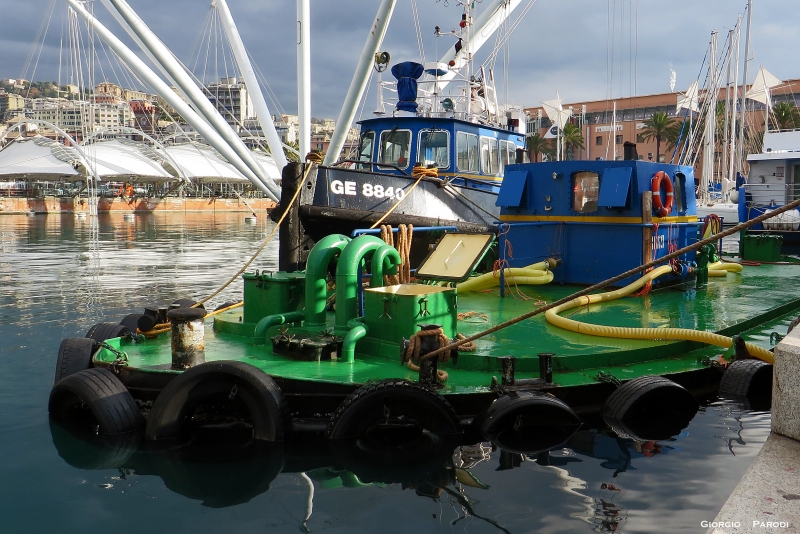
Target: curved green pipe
{"x": 384, "y": 261}
{"x": 347, "y": 277}
{"x": 260, "y": 332}
{"x": 316, "y": 274}
{"x": 356, "y": 332}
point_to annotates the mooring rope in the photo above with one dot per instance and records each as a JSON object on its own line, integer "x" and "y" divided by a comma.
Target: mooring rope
{"x": 418, "y": 171}
{"x": 703, "y": 242}
{"x": 311, "y": 157}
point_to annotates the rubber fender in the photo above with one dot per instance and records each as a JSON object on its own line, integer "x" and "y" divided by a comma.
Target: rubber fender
{"x": 131, "y": 321}
{"x": 746, "y": 378}
{"x": 186, "y": 303}
{"x": 369, "y": 406}
{"x": 74, "y": 354}
{"x": 649, "y": 408}
{"x": 95, "y": 396}
{"x": 527, "y": 422}
{"x": 215, "y": 381}
{"x": 102, "y": 331}
{"x": 89, "y": 451}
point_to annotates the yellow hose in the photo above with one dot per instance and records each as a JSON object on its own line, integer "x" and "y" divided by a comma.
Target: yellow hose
{"x": 684, "y": 334}
{"x": 722, "y": 269}
{"x": 535, "y": 274}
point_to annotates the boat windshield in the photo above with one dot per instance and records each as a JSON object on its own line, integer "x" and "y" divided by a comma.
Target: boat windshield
{"x": 395, "y": 147}
{"x": 365, "y": 145}
{"x": 467, "y": 149}
{"x": 585, "y": 190}
{"x": 489, "y": 159}
{"x": 434, "y": 148}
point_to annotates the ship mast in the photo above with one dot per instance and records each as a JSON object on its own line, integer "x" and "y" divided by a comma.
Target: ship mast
{"x": 739, "y": 147}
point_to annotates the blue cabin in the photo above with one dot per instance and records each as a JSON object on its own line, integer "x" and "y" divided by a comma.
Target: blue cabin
{"x": 468, "y": 153}
{"x": 596, "y": 216}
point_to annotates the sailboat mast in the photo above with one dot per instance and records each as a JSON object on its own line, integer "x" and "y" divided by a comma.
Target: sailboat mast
{"x": 740, "y": 148}
{"x": 734, "y": 98}
{"x": 711, "y": 112}
{"x": 726, "y": 139}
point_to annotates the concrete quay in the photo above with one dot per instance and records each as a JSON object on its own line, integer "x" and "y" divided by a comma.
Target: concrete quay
{"x": 767, "y": 499}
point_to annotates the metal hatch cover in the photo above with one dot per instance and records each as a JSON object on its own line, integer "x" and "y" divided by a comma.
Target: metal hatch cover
{"x": 454, "y": 257}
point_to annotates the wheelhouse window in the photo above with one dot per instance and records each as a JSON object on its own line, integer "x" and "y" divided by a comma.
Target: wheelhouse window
{"x": 365, "y": 149}
{"x": 434, "y": 148}
{"x": 395, "y": 147}
{"x": 508, "y": 154}
{"x": 467, "y": 152}
{"x": 585, "y": 190}
{"x": 489, "y": 156}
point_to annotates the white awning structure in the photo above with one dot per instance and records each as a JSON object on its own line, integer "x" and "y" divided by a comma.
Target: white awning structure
{"x": 689, "y": 100}
{"x": 121, "y": 159}
{"x": 556, "y": 112}
{"x": 38, "y": 158}
{"x": 759, "y": 91}
{"x": 202, "y": 164}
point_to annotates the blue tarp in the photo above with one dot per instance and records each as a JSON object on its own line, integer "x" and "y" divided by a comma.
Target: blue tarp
{"x": 407, "y": 74}
{"x": 614, "y": 187}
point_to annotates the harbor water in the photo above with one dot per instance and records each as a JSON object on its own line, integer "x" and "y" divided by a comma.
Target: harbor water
{"x": 61, "y": 274}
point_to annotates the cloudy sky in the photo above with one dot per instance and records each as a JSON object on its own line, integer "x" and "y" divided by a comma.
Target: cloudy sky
{"x": 560, "y": 45}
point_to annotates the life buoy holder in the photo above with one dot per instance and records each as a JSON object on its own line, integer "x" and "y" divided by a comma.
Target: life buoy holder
{"x": 662, "y": 208}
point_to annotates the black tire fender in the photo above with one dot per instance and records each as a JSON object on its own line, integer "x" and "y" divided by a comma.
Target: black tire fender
{"x": 131, "y": 321}
{"x": 744, "y": 378}
{"x": 103, "y": 331}
{"x": 649, "y": 408}
{"x": 527, "y": 422}
{"x": 95, "y": 392}
{"x": 257, "y": 390}
{"x": 392, "y": 398}
{"x": 75, "y": 354}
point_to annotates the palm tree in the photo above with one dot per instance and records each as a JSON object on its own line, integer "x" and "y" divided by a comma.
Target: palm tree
{"x": 657, "y": 127}
{"x": 536, "y": 145}
{"x": 785, "y": 116}
{"x": 573, "y": 138}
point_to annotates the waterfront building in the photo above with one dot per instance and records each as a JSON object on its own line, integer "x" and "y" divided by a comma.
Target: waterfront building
{"x": 232, "y": 100}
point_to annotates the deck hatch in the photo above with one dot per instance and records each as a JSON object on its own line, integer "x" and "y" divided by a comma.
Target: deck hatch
{"x": 614, "y": 187}
{"x": 512, "y": 189}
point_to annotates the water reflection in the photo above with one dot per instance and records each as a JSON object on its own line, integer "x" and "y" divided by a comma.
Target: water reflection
{"x": 224, "y": 470}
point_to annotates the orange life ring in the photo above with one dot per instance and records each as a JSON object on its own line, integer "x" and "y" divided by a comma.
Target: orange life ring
{"x": 665, "y": 208}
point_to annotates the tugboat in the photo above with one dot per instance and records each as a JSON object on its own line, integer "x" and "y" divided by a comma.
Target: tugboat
{"x": 427, "y": 167}
{"x": 398, "y": 370}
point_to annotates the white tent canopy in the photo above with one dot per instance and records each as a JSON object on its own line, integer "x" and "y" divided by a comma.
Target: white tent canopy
{"x": 125, "y": 160}
{"x": 38, "y": 158}
{"x": 203, "y": 164}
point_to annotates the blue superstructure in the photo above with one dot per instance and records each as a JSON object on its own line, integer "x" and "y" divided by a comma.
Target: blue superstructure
{"x": 595, "y": 216}
{"x": 465, "y": 152}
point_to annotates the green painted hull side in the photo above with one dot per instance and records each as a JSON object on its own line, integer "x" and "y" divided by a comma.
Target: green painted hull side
{"x": 762, "y": 300}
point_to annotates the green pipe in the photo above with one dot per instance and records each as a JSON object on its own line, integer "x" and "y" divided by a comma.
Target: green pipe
{"x": 316, "y": 274}
{"x": 385, "y": 259}
{"x": 356, "y": 332}
{"x": 347, "y": 277}
{"x": 273, "y": 320}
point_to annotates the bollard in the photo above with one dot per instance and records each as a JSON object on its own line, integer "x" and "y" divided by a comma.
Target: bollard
{"x": 546, "y": 366}
{"x": 507, "y": 370}
{"x": 188, "y": 337}
{"x": 162, "y": 314}
{"x": 428, "y": 369}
